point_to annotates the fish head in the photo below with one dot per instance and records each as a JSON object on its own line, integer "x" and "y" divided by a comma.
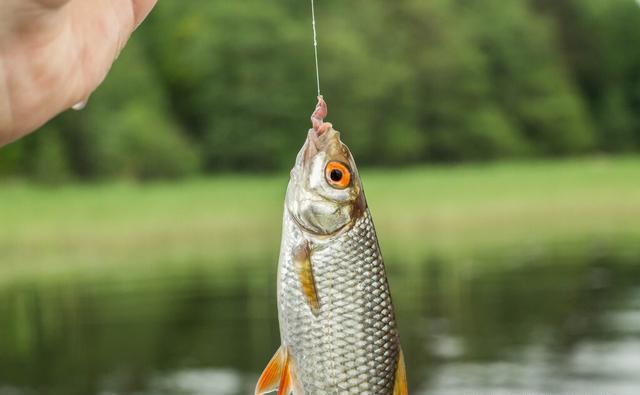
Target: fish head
{"x": 324, "y": 195}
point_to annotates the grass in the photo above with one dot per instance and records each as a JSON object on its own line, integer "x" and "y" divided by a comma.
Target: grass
{"x": 459, "y": 211}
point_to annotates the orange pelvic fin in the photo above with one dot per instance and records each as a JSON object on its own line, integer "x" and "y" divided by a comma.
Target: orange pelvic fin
{"x": 400, "y": 386}
{"x": 302, "y": 261}
{"x": 276, "y": 375}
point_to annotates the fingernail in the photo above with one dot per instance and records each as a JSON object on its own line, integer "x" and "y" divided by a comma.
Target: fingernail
{"x": 80, "y": 105}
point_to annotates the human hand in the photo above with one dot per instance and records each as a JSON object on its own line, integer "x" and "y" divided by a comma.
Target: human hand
{"x": 54, "y": 53}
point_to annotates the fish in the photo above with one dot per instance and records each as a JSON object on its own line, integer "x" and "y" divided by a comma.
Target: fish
{"x": 337, "y": 322}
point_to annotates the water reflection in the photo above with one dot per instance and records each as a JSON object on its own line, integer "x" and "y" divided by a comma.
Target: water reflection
{"x": 199, "y": 382}
{"x": 552, "y": 323}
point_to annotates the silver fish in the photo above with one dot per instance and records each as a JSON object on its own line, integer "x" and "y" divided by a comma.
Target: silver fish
{"x": 337, "y": 323}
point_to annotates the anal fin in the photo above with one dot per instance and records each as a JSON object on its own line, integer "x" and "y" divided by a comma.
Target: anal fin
{"x": 277, "y": 375}
{"x": 400, "y": 386}
{"x": 302, "y": 261}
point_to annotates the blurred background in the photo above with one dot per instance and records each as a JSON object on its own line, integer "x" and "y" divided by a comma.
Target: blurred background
{"x": 498, "y": 144}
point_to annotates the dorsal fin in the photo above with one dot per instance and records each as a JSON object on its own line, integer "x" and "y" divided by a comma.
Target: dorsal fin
{"x": 302, "y": 261}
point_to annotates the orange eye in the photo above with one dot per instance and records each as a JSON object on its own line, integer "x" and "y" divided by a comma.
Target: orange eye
{"x": 338, "y": 175}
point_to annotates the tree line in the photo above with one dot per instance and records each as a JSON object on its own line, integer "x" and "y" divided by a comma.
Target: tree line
{"x": 217, "y": 86}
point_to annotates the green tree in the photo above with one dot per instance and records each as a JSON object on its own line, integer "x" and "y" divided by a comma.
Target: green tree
{"x": 600, "y": 41}
{"x": 238, "y": 79}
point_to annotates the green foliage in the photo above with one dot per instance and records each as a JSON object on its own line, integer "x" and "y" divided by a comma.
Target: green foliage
{"x": 233, "y": 72}
{"x": 49, "y": 160}
{"x": 600, "y": 42}
{"x": 11, "y": 158}
{"x": 230, "y": 85}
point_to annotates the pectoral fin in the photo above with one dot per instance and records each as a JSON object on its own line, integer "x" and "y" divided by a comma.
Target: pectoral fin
{"x": 277, "y": 375}
{"x": 400, "y": 386}
{"x": 270, "y": 377}
{"x": 302, "y": 261}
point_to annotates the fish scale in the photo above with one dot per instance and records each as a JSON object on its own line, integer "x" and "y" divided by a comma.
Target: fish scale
{"x": 351, "y": 345}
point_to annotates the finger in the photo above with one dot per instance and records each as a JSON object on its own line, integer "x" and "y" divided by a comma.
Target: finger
{"x": 141, "y": 8}
{"x": 108, "y": 24}
{"x": 65, "y": 50}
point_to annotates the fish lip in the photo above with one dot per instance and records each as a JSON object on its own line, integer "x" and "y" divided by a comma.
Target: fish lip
{"x": 319, "y": 142}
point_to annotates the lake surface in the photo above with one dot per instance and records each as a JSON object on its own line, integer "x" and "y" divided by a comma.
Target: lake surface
{"x": 536, "y": 323}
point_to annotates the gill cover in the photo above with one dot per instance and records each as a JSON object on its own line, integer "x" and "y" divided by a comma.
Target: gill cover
{"x": 324, "y": 194}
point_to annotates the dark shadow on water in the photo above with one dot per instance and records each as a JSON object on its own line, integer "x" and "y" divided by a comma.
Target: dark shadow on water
{"x": 534, "y": 322}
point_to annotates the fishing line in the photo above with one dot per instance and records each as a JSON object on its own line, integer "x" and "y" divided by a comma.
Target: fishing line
{"x": 315, "y": 45}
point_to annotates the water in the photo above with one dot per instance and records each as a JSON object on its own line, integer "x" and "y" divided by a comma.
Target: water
{"x": 536, "y": 324}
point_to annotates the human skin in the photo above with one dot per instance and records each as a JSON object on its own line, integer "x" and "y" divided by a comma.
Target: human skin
{"x": 54, "y": 53}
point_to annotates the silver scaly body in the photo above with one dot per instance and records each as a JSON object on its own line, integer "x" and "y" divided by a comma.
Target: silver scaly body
{"x": 351, "y": 346}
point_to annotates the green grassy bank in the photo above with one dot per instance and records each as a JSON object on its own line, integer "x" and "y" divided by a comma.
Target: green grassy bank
{"x": 461, "y": 211}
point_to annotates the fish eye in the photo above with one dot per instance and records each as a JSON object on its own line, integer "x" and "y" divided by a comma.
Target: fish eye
{"x": 338, "y": 175}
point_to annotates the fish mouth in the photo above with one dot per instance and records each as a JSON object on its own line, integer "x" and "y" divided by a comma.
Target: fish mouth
{"x": 327, "y": 141}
